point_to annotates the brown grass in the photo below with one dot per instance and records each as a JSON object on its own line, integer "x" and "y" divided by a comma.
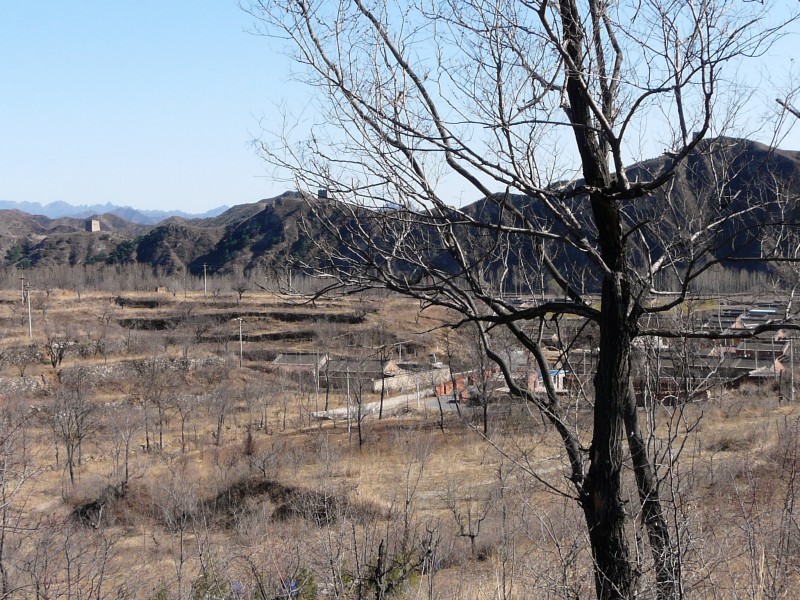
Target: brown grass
{"x": 303, "y": 497}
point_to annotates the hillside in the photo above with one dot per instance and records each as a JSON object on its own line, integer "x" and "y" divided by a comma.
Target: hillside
{"x": 191, "y": 460}
{"x": 723, "y": 175}
{"x": 729, "y": 180}
{"x": 35, "y": 240}
{"x": 173, "y": 245}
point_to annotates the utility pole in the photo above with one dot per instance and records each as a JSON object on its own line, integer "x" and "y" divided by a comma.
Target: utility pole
{"x": 316, "y": 384}
{"x": 22, "y": 285}
{"x": 30, "y": 321}
{"x": 205, "y": 281}
{"x": 349, "y": 433}
{"x": 241, "y": 344}
{"x": 791, "y": 369}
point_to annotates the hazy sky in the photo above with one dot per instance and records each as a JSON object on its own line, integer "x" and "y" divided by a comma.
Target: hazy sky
{"x": 151, "y": 104}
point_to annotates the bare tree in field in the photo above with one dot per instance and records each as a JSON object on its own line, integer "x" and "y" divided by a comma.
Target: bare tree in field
{"x": 16, "y": 470}
{"x": 176, "y": 499}
{"x": 240, "y": 285}
{"x": 184, "y": 405}
{"x": 58, "y": 342}
{"x": 125, "y": 424}
{"x": 536, "y": 106}
{"x": 221, "y": 397}
{"x": 21, "y": 357}
{"x": 74, "y": 417}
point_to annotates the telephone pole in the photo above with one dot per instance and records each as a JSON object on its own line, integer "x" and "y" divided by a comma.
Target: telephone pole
{"x": 30, "y": 320}
{"x": 241, "y": 344}
{"x": 205, "y": 281}
{"x": 791, "y": 369}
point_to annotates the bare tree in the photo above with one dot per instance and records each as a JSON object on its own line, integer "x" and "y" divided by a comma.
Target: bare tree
{"x": 74, "y": 417}
{"x": 58, "y": 342}
{"x": 102, "y": 340}
{"x": 16, "y": 470}
{"x": 469, "y": 513}
{"x": 221, "y": 398}
{"x": 184, "y": 405}
{"x": 544, "y": 101}
{"x": 220, "y": 403}
{"x": 151, "y": 389}
{"x": 480, "y": 380}
{"x": 21, "y": 357}
{"x": 4, "y": 356}
{"x": 176, "y": 499}
{"x": 125, "y": 423}
{"x": 240, "y": 286}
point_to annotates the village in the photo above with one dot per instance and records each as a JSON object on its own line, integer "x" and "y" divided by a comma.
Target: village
{"x": 736, "y": 343}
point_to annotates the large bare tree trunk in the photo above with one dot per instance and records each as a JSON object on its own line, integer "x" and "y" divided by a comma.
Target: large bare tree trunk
{"x": 616, "y": 417}
{"x": 602, "y": 499}
{"x": 615, "y": 408}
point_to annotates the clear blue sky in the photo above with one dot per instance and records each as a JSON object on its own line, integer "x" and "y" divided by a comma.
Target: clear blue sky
{"x": 151, "y": 104}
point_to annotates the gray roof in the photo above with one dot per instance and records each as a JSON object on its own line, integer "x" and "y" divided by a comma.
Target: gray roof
{"x": 370, "y": 367}
{"x": 299, "y": 359}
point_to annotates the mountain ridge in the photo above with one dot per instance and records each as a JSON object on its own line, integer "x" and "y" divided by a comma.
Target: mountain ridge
{"x": 280, "y": 232}
{"x": 58, "y": 209}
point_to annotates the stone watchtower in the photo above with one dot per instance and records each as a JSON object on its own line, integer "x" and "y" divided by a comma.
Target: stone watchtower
{"x": 92, "y": 225}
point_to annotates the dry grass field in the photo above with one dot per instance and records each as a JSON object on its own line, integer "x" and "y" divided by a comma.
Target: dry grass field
{"x": 193, "y": 477}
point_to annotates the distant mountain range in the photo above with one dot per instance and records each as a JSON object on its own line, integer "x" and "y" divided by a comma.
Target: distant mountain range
{"x": 223, "y": 241}
{"x": 281, "y": 231}
{"x": 55, "y": 210}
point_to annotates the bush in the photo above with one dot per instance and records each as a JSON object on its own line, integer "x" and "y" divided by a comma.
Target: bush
{"x": 210, "y": 586}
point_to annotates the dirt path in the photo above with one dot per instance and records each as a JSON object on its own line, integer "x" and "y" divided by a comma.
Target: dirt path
{"x": 395, "y": 404}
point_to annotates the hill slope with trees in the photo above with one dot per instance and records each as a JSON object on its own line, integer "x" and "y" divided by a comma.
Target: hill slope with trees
{"x": 284, "y": 231}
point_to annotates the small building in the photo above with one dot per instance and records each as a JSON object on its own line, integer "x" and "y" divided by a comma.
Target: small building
{"x": 557, "y": 376}
{"x": 407, "y": 380}
{"x": 92, "y": 225}
{"x": 301, "y": 362}
{"x": 342, "y": 372}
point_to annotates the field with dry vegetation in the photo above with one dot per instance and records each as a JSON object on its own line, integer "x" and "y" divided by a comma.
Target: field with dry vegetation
{"x": 140, "y": 459}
